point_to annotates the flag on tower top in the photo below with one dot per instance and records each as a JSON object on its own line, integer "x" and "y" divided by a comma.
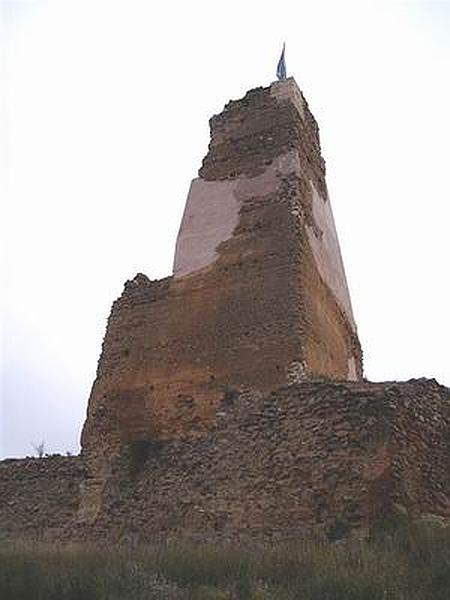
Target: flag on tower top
{"x": 281, "y": 67}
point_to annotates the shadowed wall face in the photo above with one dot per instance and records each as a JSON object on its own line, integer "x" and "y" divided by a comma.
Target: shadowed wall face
{"x": 258, "y": 297}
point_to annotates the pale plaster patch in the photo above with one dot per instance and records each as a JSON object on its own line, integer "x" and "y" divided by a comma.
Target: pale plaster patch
{"x": 210, "y": 217}
{"x": 288, "y": 163}
{"x": 257, "y": 187}
{"x": 296, "y": 372}
{"x": 288, "y": 89}
{"x": 91, "y": 494}
{"x": 327, "y": 254}
{"x": 352, "y": 373}
{"x": 212, "y": 212}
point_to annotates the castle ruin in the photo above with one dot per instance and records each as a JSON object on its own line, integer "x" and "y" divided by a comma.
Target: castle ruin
{"x": 229, "y": 399}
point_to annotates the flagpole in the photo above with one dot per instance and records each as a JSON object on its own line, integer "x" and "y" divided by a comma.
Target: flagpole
{"x": 281, "y": 67}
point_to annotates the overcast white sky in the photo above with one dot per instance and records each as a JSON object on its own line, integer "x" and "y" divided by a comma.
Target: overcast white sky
{"x": 104, "y": 117}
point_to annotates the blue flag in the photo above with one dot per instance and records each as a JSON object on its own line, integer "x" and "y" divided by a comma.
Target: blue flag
{"x": 281, "y": 67}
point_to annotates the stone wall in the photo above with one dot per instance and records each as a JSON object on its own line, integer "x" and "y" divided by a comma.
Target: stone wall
{"x": 229, "y": 401}
{"x": 312, "y": 455}
{"x": 323, "y": 456}
{"x": 39, "y": 497}
{"x": 258, "y": 297}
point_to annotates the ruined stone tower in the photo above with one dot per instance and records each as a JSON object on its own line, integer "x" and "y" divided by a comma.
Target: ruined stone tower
{"x": 229, "y": 403}
{"x": 258, "y": 297}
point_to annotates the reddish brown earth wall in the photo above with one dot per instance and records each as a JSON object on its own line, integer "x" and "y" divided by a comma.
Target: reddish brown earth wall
{"x": 258, "y": 316}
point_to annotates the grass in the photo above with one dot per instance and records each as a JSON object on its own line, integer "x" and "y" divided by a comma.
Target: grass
{"x": 400, "y": 563}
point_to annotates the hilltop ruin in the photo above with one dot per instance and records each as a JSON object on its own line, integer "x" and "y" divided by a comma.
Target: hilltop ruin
{"x": 229, "y": 401}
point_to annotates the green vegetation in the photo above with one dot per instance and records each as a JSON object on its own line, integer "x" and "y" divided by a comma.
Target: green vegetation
{"x": 401, "y": 562}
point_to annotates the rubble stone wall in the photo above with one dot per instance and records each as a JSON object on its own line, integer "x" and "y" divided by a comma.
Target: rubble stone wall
{"x": 274, "y": 467}
{"x": 39, "y": 497}
{"x": 322, "y": 456}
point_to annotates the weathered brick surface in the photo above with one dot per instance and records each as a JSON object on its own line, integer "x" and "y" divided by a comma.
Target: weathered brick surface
{"x": 260, "y": 315}
{"x": 252, "y": 132}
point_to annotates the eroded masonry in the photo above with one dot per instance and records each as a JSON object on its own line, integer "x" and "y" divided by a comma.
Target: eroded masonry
{"x": 229, "y": 401}
{"x": 258, "y": 297}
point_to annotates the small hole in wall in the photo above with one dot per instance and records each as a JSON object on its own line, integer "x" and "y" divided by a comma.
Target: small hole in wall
{"x": 230, "y": 396}
{"x": 138, "y": 451}
{"x": 126, "y": 352}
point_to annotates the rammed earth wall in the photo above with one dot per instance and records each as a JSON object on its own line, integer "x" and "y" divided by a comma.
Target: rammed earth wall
{"x": 258, "y": 297}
